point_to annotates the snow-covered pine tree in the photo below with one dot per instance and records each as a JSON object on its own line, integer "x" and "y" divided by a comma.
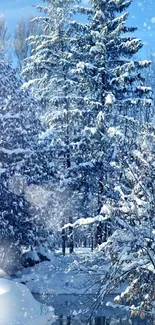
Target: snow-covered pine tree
{"x": 124, "y": 101}
{"x": 113, "y": 52}
{"x": 121, "y": 86}
{"x": 149, "y": 76}
{"x": 116, "y": 90}
{"x": 90, "y": 88}
{"x": 19, "y": 159}
{"x": 50, "y": 73}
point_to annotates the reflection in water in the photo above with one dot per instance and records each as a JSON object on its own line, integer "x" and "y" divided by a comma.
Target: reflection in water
{"x": 82, "y": 310}
{"x": 63, "y": 320}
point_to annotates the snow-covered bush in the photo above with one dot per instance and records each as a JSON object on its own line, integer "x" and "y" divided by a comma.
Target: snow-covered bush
{"x": 129, "y": 252}
{"x": 38, "y": 254}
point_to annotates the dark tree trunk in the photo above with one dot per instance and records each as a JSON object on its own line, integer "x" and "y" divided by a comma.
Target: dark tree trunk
{"x": 68, "y": 320}
{"x": 99, "y": 234}
{"x": 71, "y": 239}
{"x": 63, "y": 237}
{"x": 92, "y": 239}
{"x": 98, "y": 321}
{"x": 61, "y": 320}
{"x": 101, "y": 321}
{"x": 100, "y": 193}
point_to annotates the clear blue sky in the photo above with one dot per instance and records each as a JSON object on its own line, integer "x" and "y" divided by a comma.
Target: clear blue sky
{"x": 142, "y": 15}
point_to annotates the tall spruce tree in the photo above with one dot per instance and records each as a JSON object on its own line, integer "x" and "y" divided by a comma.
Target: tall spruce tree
{"x": 50, "y": 74}
{"x": 117, "y": 91}
{"x": 91, "y": 90}
{"x": 125, "y": 101}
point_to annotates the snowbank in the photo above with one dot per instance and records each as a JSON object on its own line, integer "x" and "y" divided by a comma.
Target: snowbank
{"x": 17, "y": 305}
{"x": 62, "y": 275}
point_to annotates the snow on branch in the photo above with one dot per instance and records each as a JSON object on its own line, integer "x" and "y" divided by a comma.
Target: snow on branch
{"x": 86, "y": 221}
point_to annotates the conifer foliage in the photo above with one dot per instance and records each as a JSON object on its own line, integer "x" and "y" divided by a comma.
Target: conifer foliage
{"x": 19, "y": 148}
{"x": 96, "y": 105}
{"x": 130, "y": 250}
{"x": 93, "y": 95}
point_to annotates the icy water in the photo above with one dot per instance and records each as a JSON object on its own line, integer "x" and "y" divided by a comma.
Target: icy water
{"x": 85, "y": 310}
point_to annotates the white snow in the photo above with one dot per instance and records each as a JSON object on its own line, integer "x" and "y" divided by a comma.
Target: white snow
{"x": 115, "y": 131}
{"x": 87, "y": 221}
{"x": 110, "y": 99}
{"x": 8, "y": 115}
{"x": 37, "y": 195}
{"x": 17, "y": 305}
{"x": 14, "y": 151}
{"x": 60, "y": 275}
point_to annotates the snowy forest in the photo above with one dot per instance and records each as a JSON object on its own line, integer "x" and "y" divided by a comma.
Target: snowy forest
{"x": 77, "y": 112}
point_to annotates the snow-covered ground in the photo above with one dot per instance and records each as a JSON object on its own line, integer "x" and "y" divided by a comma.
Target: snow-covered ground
{"x": 66, "y": 282}
{"x": 17, "y": 306}
{"x": 62, "y": 275}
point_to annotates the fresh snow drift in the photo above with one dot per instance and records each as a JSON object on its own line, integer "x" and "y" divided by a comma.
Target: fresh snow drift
{"x": 17, "y": 305}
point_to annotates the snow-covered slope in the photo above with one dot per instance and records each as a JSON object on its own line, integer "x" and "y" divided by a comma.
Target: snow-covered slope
{"x": 17, "y": 305}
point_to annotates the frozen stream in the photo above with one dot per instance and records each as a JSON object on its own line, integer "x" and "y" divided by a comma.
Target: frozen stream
{"x": 76, "y": 310}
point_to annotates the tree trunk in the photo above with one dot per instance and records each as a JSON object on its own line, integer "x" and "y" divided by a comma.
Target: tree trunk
{"x": 61, "y": 320}
{"x": 100, "y": 193}
{"x": 71, "y": 240}
{"x": 63, "y": 237}
{"x": 68, "y": 320}
{"x": 92, "y": 239}
{"x": 98, "y": 320}
{"x": 99, "y": 233}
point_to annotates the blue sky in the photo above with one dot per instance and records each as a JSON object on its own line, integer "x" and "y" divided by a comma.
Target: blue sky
{"x": 142, "y": 15}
